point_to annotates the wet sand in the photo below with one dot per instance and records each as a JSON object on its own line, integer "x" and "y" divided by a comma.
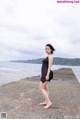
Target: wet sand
{"x": 20, "y": 99}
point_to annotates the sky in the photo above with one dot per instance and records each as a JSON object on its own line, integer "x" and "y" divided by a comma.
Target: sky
{"x": 26, "y": 26}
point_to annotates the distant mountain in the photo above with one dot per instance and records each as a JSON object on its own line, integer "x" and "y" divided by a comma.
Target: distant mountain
{"x": 57, "y": 61}
{"x": 67, "y": 61}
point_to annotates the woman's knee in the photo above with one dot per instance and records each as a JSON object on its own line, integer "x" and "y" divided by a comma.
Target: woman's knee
{"x": 43, "y": 87}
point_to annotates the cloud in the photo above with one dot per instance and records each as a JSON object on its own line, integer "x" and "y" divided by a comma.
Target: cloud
{"x": 26, "y": 26}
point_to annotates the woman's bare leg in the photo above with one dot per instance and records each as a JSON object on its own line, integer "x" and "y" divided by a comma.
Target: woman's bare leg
{"x": 46, "y": 88}
{"x": 40, "y": 87}
{"x": 43, "y": 88}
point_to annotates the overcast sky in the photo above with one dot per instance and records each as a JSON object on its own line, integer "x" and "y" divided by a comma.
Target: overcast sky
{"x": 26, "y": 26}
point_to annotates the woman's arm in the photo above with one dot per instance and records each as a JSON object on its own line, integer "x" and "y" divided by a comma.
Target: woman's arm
{"x": 50, "y": 62}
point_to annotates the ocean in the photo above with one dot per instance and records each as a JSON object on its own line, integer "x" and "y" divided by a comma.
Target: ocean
{"x": 10, "y": 71}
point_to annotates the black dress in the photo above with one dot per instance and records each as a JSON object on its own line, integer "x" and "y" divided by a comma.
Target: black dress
{"x": 44, "y": 70}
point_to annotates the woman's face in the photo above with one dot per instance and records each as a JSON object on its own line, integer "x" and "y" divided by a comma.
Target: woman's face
{"x": 47, "y": 50}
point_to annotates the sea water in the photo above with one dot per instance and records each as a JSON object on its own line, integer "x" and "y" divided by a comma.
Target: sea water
{"x": 13, "y": 71}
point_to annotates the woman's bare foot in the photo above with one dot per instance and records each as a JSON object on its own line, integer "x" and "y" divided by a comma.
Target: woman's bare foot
{"x": 48, "y": 105}
{"x": 43, "y": 103}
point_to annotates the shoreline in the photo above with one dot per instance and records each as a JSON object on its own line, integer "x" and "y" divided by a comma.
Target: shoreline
{"x": 13, "y": 72}
{"x": 56, "y": 72}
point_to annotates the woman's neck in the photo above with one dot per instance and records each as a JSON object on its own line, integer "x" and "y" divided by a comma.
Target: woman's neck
{"x": 48, "y": 54}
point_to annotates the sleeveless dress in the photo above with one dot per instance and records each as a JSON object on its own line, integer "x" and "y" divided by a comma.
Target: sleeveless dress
{"x": 44, "y": 70}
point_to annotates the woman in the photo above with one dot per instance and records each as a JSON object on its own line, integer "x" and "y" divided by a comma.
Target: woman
{"x": 46, "y": 75}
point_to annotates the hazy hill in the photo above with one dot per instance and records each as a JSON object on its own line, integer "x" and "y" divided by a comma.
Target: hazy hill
{"x": 57, "y": 61}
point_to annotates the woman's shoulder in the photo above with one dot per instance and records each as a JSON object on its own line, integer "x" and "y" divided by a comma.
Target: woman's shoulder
{"x": 50, "y": 56}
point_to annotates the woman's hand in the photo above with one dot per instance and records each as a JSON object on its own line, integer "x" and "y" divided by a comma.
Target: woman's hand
{"x": 47, "y": 78}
